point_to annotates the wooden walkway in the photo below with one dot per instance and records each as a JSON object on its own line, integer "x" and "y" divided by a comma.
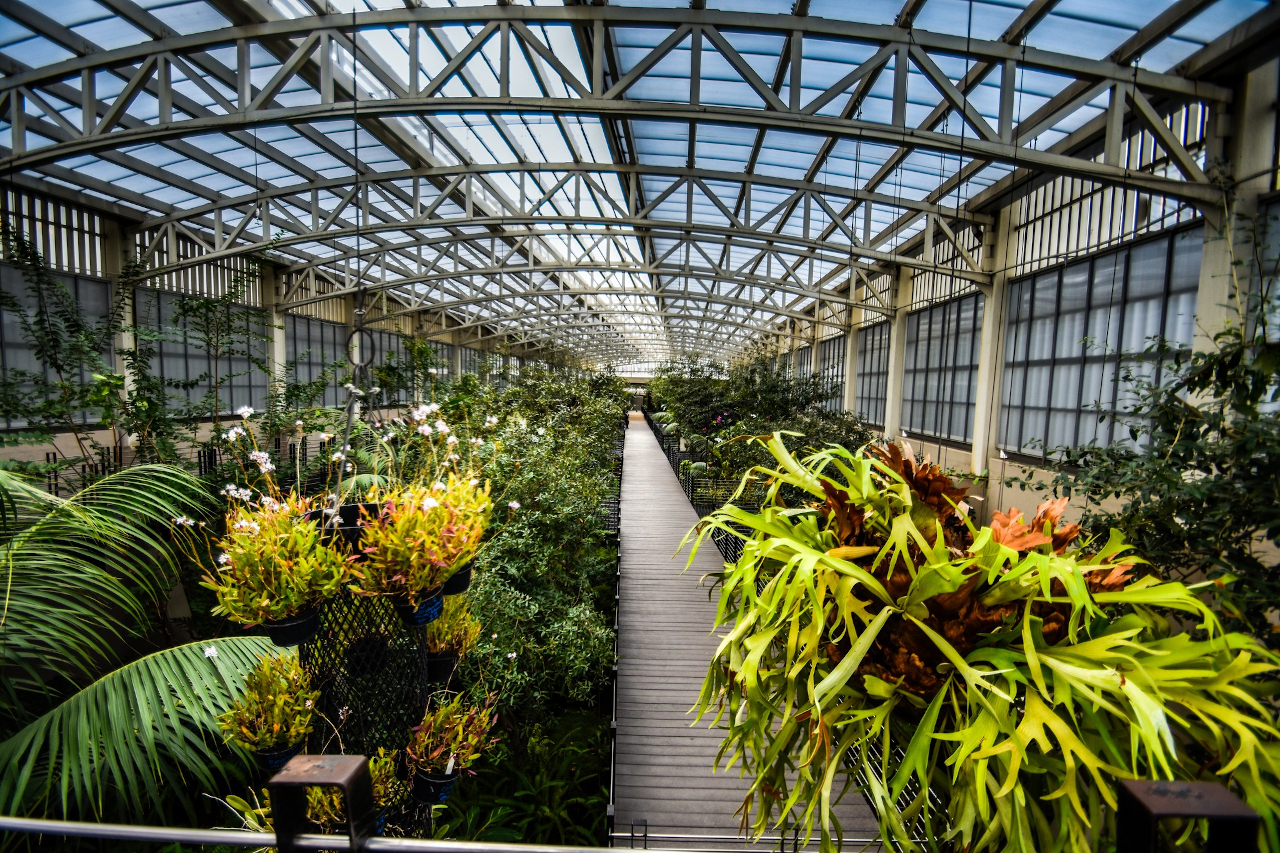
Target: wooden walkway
{"x": 663, "y": 767}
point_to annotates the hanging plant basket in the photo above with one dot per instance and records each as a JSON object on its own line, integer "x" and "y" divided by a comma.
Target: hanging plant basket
{"x": 428, "y": 609}
{"x": 459, "y": 583}
{"x": 274, "y": 760}
{"x": 440, "y": 669}
{"x": 346, "y": 530}
{"x": 433, "y": 788}
{"x": 294, "y": 630}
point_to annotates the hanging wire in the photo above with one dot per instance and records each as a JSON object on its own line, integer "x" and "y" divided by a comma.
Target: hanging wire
{"x": 360, "y": 339}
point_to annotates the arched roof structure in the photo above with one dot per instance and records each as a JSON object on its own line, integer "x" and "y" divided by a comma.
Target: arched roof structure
{"x": 627, "y": 180}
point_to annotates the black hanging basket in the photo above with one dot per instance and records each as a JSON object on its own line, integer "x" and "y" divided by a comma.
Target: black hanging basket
{"x": 294, "y": 630}
{"x": 274, "y": 760}
{"x": 459, "y": 582}
{"x": 433, "y": 788}
{"x": 371, "y": 672}
{"x": 440, "y": 669}
{"x": 346, "y": 530}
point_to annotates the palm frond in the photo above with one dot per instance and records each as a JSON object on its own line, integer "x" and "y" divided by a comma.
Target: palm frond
{"x": 81, "y": 574}
{"x": 133, "y": 738}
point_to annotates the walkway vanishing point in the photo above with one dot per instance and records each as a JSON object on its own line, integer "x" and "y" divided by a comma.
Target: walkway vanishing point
{"x": 663, "y": 773}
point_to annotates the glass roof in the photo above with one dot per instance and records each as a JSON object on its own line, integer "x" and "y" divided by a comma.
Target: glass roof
{"x": 699, "y": 205}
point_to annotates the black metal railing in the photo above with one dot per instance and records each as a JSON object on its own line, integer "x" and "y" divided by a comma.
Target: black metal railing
{"x": 1232, "y": 825}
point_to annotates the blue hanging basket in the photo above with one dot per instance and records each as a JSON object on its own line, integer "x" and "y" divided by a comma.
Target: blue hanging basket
{"x": 428, "y": 610}
{"x": 432, "y": 788}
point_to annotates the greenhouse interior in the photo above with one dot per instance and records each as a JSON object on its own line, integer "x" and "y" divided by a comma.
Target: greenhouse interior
{"x": 505, "y": 426}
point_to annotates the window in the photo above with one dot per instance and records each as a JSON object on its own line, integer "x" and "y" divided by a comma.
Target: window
{"x": 311, "y": 344}
{"x": 871, "y": 380}
{"x": 93, "y": 296}
{"x": 444, "y": 359}
{"x": 831, "y": 369}
{"x": 180, "y": 357}
{"x": 940, "y": 369}
{"x": 386, "y": 344}
{"x": 1073, "y": 331}
{"x": 802, "y": 361}
{"x": 472, "y": 361}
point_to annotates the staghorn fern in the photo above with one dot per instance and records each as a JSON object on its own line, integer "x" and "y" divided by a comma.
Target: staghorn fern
{"x": 133, "y": 737}
{"x": 985, "y": 687}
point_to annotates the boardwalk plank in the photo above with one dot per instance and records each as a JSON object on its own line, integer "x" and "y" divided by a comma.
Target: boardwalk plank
{"x": 664, "y": 767}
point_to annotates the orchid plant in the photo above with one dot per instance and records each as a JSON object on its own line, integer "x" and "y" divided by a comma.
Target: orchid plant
{"x": 984, "y": 687}
{"x": 273, "y": 564}
{"x": 421, "y": 536}
{"x": 451, "y": 737}
{"x": 277, "y": 709}
{"x": 456, "y": 631}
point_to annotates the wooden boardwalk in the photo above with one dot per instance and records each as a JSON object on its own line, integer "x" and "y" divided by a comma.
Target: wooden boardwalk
{"x": 663, "y": 767}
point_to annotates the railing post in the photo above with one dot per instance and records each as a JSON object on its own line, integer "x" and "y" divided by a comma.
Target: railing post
{"x": 1233, "y": 826}
{"x": 349, "y": 773}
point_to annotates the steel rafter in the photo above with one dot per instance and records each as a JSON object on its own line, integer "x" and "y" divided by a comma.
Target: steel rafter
{"x": 256, "y": 106}
{"x": 436, "y": 232}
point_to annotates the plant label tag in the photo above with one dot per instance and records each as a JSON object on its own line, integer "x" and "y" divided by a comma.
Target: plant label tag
{"x": 449, "y": 769}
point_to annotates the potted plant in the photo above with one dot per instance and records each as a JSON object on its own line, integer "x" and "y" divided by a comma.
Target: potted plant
{"x": 421, "y": 537}
{"x": 876, "y": 634}
{"x": 449, "y": 638}
{"x": 274, "y": 570}
{"x": 276, "y": 713}
{"x": 450, "y": 739}
{"x": 325, "y": 806}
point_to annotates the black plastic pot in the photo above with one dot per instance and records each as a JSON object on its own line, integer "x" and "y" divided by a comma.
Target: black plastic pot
{"x": 347, "y": 528}
{"x": 428, "y": 609}
{"x": 274, "y": 760}
{"x": 433, "y": 788}
{"x": 294, "y": 630}
{"x": 440, "y": 669}
{"x": 459, "y": 583}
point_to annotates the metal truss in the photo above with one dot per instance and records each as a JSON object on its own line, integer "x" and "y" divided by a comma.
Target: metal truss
{"x": 643, "y": 257}
{"x": 325, "y": 41}
{"x": 548, "y": 194}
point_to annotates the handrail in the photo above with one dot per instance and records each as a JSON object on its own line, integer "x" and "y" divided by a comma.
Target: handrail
{"x": 247, "y": 838}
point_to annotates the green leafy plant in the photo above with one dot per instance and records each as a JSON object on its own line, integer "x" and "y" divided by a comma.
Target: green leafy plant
{"x": 273, "y": 563}
{"x": 277, "y": 708}
{"x": 873, "y": 633}
{"x": 422, "y": 536}
{"x": 456, "y": 630}
{"x": 549, "y": 787}
{"x": 135, "y": 738}
{"x": 84, "y": 578}
{"x": 451, "y": 737}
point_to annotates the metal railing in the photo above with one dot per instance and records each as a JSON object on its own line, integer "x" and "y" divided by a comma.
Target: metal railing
{"x": 248, "y": 839}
